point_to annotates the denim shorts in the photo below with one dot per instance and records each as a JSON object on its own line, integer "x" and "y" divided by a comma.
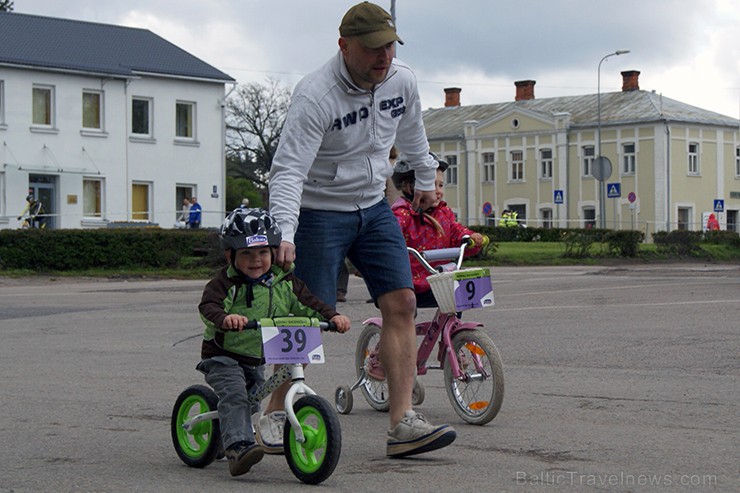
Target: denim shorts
{"x": 372, "y": 240}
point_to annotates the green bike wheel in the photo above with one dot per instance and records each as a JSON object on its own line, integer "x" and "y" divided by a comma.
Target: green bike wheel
{"x": 199, "y": 446}
{"x": 314, "y": 460}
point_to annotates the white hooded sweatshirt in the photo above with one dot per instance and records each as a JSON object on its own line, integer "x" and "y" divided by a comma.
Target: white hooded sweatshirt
{"x": 334, "y": 147}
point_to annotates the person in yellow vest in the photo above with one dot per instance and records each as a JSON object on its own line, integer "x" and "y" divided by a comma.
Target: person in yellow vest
{"x": 512, "y": 220}
{"x": 504, "y": 219}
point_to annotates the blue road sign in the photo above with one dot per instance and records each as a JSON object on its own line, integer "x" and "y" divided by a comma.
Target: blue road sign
{"x": 614, "y": 190}
{"x": 558, "y": 196}
{"x": 719, "y": 205}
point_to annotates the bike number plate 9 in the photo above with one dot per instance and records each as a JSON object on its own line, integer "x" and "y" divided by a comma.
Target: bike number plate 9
{"x": 473, "y": 289}
{"x": 285, "y": 345}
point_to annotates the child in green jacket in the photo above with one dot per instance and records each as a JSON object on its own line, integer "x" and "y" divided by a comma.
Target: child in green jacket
{"x": 250, "y": 287}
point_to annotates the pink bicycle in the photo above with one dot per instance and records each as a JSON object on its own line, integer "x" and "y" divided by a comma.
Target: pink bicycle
{"x": 473, "y": 372}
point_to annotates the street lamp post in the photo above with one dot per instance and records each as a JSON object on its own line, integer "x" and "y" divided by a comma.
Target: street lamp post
{"x": 602, "y": 184}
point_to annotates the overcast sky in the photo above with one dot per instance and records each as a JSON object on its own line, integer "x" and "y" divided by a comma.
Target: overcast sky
{"x": 687, "y": 50}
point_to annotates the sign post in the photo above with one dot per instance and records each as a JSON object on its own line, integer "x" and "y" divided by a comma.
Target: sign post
{"x": 558, "y": 199}
{"x": 614, "y": 191}
{"x": 632, "y": 196}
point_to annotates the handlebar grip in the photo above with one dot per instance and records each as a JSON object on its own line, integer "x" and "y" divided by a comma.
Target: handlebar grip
{"x": 252, "y": 325}
{"x": 441, "y": 254}
{"x": 328, "y": 326}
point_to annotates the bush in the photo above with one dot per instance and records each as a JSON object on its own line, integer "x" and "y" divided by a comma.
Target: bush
{"x": 624, "y": 243}
{"x": 120, "y": 248}
{"x": 729, "y": 238}
{"x": 679, "y": 242}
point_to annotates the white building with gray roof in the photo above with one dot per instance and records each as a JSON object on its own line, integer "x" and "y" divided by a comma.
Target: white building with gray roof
{"x": 106, "y": 124}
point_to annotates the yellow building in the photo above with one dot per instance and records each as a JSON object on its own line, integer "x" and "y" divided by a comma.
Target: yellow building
{"x": 671, "y": 163}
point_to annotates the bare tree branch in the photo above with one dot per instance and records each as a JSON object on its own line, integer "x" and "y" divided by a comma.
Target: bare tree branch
{"x": 255, "y": 116}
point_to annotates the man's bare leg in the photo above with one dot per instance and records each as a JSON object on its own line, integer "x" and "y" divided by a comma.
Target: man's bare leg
{"x": 398, "y": 349}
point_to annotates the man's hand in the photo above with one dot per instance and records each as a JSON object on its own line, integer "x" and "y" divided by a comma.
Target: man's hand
{"x": 423, "y": 200}
{"x": 285, "y": 255}
{"x": 342, "y": 322}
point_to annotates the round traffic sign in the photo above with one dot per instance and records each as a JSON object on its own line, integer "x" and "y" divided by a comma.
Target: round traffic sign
{"x": 631, "y": 197}
{"x": 487, "y": 209}
{"x": 602, "y": 168}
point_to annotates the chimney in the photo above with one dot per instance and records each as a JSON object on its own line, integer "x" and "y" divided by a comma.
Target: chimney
{"x": 630, "y": 80}
{"x": 452, "y": 97}
{"x": 524, "y": 90}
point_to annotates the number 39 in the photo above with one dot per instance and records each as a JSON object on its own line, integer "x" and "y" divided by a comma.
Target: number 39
{"x": 291, "y": 338}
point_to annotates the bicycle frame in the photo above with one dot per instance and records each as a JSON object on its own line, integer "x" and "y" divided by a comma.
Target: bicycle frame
{"x": 294, "y": 372}
{"x": 443, "y": 326}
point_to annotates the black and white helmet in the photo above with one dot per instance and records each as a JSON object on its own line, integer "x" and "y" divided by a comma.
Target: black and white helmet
{"x": 250, "y": 228}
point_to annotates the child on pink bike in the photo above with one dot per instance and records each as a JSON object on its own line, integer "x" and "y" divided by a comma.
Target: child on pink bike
{"x": 431, "y": 229}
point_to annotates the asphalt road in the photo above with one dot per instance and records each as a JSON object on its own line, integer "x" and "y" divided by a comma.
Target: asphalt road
{"x": 617, "y": 379}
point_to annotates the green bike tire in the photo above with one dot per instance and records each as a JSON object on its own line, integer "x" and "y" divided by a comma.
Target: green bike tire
{"x": 199, "y": 446}
{"x": 313, "y": 461}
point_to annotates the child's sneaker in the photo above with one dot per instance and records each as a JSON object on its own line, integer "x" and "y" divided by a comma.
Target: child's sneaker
{"x": 374, "y": 368}
{"x": 270, "y": 432}
{"x": 415, "y": 435}
{"x": 242, "y": 456}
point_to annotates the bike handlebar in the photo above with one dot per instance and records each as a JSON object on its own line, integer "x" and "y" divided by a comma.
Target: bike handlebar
{"x": 456, "y": 254}
{"x": 325, "y": 326}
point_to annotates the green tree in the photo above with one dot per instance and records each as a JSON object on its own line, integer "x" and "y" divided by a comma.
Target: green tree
{"x": 6, "y": 5}
{"x": 255, "y": 116}
{"x": 238, "y": 189}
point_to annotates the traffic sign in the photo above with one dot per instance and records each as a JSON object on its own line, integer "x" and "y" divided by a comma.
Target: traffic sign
{"x": 719, "y": 205}
{"x": 632, "y": 197}
{"x": 487, "y": 209}
{"x": 614, "y": 190}
{"x": 602, "y": 168}
{"x": 558, "y": 196}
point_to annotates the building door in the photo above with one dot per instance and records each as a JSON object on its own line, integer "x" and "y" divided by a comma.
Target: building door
{"x": 44, "y": 190}
{"x": 732, "y": 221}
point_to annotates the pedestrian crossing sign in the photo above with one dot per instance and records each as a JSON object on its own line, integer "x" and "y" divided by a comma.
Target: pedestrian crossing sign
{"x": 614, "y": 190}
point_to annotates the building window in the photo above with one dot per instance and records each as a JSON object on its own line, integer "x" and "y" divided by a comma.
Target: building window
{"x": 92, "y": 197}
{"x": 737, "y": 151}
{"x": 628, "y": 159}
{"x": 2, "y": 102}
{"x": 489, "y": 168}
{"x": 588, "y": 160}
{"x": 2, "y": 188}
{"x": 546, "y": 164}
{"x": 140, "y": 201}
{"x": 141, "y": 117}
{"x": 693, "y": 158}
{"x": 92, "y": 110}
{"x": 43, "y": 105}
{"x": 452, "y": 170}
{"x": 517, "y": 166}
{"x": 546, "y": 218}
{"x": 184, "y": 120}
{"x": 589, "y": 217}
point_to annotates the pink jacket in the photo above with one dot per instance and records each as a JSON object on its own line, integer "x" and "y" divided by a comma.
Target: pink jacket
{"x": 421, "y": 234}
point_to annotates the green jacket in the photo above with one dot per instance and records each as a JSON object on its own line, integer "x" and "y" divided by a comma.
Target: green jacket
{"x": 280, "y": 295}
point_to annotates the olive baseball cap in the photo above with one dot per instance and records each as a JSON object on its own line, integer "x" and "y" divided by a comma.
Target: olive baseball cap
{"x": 371, "y": 24}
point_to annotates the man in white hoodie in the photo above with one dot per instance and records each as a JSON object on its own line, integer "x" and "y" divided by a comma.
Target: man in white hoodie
{"x": 327, "y": 186}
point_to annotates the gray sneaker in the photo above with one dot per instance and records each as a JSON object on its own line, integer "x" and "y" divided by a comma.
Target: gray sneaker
{"x": 242, "y": 456}
{"x": 415, "y": 435}
{"x": 270, "y": 432}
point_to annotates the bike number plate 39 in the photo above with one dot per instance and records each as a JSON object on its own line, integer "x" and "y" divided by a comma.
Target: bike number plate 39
{"x": 285, "y": 345}
{"x": 473, "y": 289}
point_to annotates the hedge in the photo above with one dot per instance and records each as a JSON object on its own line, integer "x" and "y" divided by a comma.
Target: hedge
{"x": 71, "y": 249}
